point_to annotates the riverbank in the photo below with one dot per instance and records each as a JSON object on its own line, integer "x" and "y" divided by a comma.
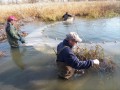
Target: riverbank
{"x": 47, "y": 12}
{"x": 54, "y": 11}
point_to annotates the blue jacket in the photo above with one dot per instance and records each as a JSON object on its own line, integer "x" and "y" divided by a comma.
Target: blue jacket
{"x": 67, "y": 56}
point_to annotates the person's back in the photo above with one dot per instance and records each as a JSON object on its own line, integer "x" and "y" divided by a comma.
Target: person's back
{"x": 65, "y": 71}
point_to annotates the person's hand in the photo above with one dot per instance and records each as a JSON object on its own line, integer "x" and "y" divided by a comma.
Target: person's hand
{"x": 22, "y": 40}
{"x": 96, "y": 61}
{"x": 23, "y": 44}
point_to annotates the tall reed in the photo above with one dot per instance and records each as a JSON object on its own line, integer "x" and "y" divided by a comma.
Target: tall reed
{"x": 54, "y": 11}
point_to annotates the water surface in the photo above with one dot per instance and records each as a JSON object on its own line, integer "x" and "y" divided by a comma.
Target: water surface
{"x": 32, "y": 67}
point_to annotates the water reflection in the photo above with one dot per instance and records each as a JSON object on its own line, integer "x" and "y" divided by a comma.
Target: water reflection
{"x": 17, "y": 57}
{"x": 97, "y": 30}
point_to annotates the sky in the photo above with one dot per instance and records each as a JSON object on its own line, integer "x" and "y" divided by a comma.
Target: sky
{"x": 9, "y": 0}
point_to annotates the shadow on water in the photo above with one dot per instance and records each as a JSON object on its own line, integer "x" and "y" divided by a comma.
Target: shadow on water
{"x": 17, "y": 57}
{"x": 39, "y": 67}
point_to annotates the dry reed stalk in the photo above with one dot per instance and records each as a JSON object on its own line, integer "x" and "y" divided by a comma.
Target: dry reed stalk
{"x": 54, "y": 11}
{"x": 106, "y": 63}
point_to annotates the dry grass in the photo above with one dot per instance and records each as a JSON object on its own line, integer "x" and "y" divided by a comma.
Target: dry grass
{"x": 106, "y": 63}
{"x": 54, "y": 11}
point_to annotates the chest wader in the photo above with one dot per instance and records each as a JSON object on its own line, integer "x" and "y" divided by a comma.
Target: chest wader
{"x": 13, "y": 42}
{"x": 64, "y": 71}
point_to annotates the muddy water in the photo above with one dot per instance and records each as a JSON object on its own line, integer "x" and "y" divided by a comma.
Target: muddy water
{"x": 32, "y": 67}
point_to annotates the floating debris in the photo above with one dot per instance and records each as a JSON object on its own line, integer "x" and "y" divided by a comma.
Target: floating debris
{"x": 47, "y": 36}
{"x": 55, "y": 38}
{"x": 115, "y": 41}
{"x": 43, "y": 30}
{"x": 2, "y": 54}
{"x": 24, "y": 34}
{"x": 103, "y": 42}
{"x": 91, "y": 42}
{"x": 106, "y": 63}
{"x": 3, "y": 36}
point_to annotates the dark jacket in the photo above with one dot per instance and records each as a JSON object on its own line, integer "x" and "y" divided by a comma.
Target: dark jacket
{"x": 66, "y": 16}
{"x": 13, "y": 35}
{"x": 69, "y": 58}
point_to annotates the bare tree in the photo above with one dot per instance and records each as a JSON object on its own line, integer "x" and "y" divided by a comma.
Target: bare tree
{"x": 16, "y": 1}
{"x": 0, "y": 2}
{"x": 33, "y": 1}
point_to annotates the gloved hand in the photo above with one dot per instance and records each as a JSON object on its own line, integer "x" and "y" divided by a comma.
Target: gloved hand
{"x": 23, "y": 44}
{"x": 22, "y": 40}
{"x": 96, "y": 61}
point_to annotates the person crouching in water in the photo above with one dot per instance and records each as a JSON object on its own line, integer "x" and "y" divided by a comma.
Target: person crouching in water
{"x": 67, "y": 61}
{"x": 13, "y": 35}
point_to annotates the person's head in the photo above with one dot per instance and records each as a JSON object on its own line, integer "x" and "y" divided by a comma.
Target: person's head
{"x": 73, "y": 38}
{"x": 66, "y": 12}
{"x": 12, "y": 19}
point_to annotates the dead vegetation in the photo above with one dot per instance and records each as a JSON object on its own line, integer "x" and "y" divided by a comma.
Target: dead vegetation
{"x": 106, "y": 63}
{"x": 54, "y": 11}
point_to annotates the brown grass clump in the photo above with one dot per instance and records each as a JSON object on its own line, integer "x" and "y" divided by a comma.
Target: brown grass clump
{"x": 106, "y": 63}
{"x": 2, "y": 33}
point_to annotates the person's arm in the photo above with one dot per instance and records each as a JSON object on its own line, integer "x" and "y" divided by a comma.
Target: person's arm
{"x": 21, "y": 38}
{"x": 74, "y": 62}
{"x": 69, "y": 15}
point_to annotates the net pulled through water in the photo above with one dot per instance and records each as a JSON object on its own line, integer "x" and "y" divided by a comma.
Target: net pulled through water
{"x": 106, "y": 65}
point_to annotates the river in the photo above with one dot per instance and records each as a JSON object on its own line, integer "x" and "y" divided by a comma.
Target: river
{"x": 32, "y": 67}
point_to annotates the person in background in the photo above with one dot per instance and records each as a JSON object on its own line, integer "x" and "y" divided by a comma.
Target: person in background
{"x": 67, "y": 61}
{"x": 13, "y": 35}
{"x": 66, "y": 16}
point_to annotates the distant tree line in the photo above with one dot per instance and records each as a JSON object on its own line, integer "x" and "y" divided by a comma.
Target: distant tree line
{"x": 35, "y": 1}
{"x": 17, "y": 1}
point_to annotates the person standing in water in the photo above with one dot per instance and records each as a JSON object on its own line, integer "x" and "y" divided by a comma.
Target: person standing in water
{"x": 66, "y": 16}
{"x": 67, "y": 61}
{"x": 13, "y": 35}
